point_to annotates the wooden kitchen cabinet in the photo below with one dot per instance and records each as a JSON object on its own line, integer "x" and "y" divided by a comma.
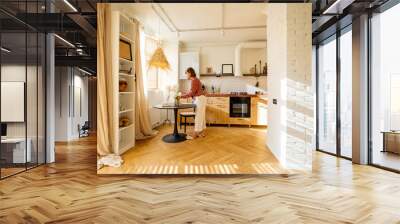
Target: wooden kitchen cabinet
{"x": 217, "y": 111}
{"x": 259, "y": 111}
{"x": 258, "y": 115}
{"x": 240, "y": 121}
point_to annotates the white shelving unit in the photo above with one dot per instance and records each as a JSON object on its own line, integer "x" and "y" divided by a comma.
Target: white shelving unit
{"x": 124, "y": 102}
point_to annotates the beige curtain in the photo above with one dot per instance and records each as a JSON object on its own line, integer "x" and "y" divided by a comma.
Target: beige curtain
{"x": 105, "y": 119}
{"x": 143, "y": 124}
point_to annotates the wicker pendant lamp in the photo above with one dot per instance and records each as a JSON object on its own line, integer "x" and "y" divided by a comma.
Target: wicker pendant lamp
{"x": 158, "y": 60}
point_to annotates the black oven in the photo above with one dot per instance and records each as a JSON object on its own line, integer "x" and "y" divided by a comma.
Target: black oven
{"x": 239, "y": 106}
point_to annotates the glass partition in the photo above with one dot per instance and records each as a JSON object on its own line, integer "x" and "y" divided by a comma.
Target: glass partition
{"x": 327, "y": 96}
{"x": 22, "y": 77}
{"x": 13, "y": 94}
{"x": 32, "y": 98}
{"x": 41, "y": 97}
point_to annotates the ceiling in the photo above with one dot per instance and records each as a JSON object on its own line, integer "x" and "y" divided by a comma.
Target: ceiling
{"x": 187, "y": 22}
{"x": 199, "y": 22}
{"x": 23, "y": 48}
{"x": 72, "y": 20}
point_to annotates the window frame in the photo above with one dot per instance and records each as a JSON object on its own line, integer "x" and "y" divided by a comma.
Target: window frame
{"x": 334, "y": 37}
{"x": 381, "y": 9}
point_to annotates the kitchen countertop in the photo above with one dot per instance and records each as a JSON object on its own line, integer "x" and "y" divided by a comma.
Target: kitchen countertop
{"x": 230, "y": 94}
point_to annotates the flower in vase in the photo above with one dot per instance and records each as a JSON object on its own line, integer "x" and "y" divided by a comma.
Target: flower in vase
{"x": 178, "y": 97}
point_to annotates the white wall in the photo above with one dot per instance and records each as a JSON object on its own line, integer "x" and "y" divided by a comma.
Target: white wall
{"x": 12, "y": 73}
{"x": 277, "y": 59}
{"x": 214, "y": 55}
{"x": 79, "y": 117}
{"x": 33, "y": 127}
{"x": 250, "y": 57}
{"x": 62, "y": 81}
{"x": 291, "y": 120}
{"x": 68, "y": 82}
{"x": 229, "y": 84}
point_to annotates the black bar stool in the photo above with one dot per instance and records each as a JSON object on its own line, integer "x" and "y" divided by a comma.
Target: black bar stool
{"x": 185, "y": 115}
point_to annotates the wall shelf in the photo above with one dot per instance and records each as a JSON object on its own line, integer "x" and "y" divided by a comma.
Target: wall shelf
{"x": 126, "y": 75}
{"x": 123, "y": 60}
{"x": 126, "y": 128}
{"x": 125, "y": 38}
{"x": 255, "y": 75}
{"x": 215, "y": 75}
{"x": 125, "y": 111}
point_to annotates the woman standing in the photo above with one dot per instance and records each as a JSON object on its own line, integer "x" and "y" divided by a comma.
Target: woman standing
{"x": 197, "y": 94}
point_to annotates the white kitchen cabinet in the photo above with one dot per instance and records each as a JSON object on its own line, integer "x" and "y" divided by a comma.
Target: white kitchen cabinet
{"x": 186, "y": 60}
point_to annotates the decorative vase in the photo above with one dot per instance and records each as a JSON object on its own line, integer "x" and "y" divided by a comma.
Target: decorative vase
{"x": 177, "y": 100}
{"x": 124, "y": 121}
{"x": 123, "y": 85}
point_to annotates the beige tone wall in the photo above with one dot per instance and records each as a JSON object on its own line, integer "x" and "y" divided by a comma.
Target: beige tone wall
{"x": 291, "y": 120}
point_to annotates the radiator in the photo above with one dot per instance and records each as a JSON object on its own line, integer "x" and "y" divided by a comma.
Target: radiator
{"x": 155, "y": 97}
{"x": 155, "y": 117}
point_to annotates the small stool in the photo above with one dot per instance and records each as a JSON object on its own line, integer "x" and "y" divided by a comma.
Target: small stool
{"x": 185, "y": 115}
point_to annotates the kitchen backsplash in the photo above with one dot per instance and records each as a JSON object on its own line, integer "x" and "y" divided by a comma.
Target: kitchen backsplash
{"x": 229, "y": 84}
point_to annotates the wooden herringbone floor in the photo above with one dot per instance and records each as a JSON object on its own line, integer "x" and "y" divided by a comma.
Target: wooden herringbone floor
{"x": 69, "y": 191}
{"x": 234, "y": 150}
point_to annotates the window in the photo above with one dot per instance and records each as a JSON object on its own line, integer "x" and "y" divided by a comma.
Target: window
{"x": 394, "y": 101}
{"x": 151, "y": 73}
{"x": 327, "y": 96}
{"x": 346, "y": 93}
{"x": 334, "y": 58}
{"x": 385, "y": 89}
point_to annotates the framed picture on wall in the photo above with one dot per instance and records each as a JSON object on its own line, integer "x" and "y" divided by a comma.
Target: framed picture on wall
{"x": 125, "y": 50}
{"x": 227, "y": 69}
